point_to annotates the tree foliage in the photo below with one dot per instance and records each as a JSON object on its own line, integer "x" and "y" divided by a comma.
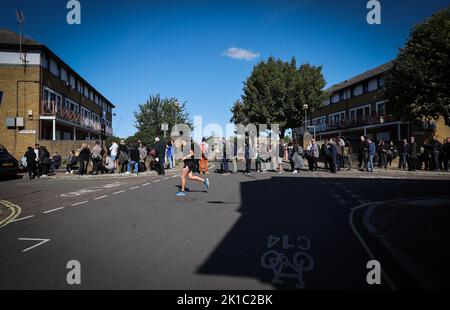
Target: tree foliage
{"x": 155, "y": 112}
{"x": 417, "y": 85}
{"x": 276, "y": 91}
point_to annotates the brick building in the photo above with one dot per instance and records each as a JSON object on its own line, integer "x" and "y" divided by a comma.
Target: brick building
{"x": 43, "y": 100}
{"x": 358, "y": 107}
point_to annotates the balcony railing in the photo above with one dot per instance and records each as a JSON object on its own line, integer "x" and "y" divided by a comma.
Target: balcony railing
{"x": 358, "y": 122}
{"x": 51, "y": 108}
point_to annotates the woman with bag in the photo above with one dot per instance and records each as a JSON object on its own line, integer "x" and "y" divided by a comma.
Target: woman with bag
{"x": 297, "y": 157}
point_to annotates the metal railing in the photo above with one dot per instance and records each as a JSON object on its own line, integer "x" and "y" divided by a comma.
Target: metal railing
{"x": 51, "y": 108}
{"x": 375, "y": 119}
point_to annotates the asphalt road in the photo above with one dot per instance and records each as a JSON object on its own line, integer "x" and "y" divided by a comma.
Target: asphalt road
{"x": 134, "y": 233}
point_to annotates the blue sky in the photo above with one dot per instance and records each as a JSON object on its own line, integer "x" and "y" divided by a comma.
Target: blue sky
{"x": 131, "y": 49}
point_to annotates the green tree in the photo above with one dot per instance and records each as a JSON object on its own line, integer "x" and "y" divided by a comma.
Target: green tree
{"x": 276, "y": 91}
{"x": 308, "y": 90}
{"x": 417, "y": 85}
{"x": 155, "y": 112}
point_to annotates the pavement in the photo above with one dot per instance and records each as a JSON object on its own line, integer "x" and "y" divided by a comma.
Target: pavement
{"x": 258, "y": 231}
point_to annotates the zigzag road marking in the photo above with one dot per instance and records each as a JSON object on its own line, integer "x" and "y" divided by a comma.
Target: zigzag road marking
{"x": 15, "y": 212}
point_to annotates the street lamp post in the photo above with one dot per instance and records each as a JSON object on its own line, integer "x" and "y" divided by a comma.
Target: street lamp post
{"x": 305, "y": 107}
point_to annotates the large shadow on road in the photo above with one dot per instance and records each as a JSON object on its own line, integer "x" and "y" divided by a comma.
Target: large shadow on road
{"x": 290, "y": 224}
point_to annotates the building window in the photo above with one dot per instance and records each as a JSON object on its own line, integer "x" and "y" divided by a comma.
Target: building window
{"x": 72, "y": 106}
{"x": 50, "y": 96}
{"x": 373, "y": 85}
{"x": 54, "y": 68}
{"x": 86, "y": 91}
{"x": 366, "y": 87}
{"x": 64, "y": 74}
{"x": 360, "y": 114}
{"x": 381, "y": 82}
{"x": 358, "y": 90}
{"x": 336, "y": 119}
{"x": 45, "y": 61}
{"x": 335, "y": 98}
{"x": 381, "y": 108}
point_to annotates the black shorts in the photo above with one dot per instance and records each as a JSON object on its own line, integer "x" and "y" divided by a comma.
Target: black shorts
{"x": 189, "y": 164}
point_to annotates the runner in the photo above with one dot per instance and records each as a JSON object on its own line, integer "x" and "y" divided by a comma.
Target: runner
{"x": 189, "y": 166}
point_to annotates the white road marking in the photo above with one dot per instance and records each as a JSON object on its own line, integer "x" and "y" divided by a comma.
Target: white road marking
{"x": 53, "y": 210}
{"x": 119, "y": 192}
{"x": 369, "y": 252}
{"x": 175, "y": 176}
{"x": 79, "y": 203}
{"x": 146, "y": 184}
{"x": 134, "y": 187}
{"x": 416, "y": 272}
{"x": 156, "y": 181}
{"x": 42, "y": 241}
{"x": 101, "y": 197}
{"x": 22, "y": 219}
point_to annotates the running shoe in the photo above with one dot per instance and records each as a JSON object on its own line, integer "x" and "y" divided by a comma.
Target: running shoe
{"x": 181, "y": 193}
{"x": 206, "y": 183}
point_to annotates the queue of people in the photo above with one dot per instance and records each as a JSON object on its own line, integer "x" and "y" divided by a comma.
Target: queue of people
{"x": 336, "y": 154}
{"x": 39, "y": 163}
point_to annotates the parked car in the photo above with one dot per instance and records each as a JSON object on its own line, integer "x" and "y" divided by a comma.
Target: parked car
{"x": 9, "y": 166}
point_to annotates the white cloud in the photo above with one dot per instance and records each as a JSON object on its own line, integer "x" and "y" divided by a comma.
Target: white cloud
{"x": 240, "y": 53}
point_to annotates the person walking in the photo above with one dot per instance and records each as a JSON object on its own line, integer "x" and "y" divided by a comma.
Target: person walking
{"x": 30, "y": 156}
{"x": 371, "y": 151}
{"x": 204, "y": 149}
{"x": 412, "y": 155}
{"x": 187, "y": 171}
{"x": 160, "y": 149}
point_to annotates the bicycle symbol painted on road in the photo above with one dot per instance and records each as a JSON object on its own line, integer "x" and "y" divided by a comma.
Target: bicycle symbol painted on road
{"x": 280, "y": 264}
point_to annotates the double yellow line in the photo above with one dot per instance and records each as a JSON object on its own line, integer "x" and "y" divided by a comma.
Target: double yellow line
{"x": 15, "y": 212}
